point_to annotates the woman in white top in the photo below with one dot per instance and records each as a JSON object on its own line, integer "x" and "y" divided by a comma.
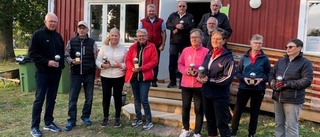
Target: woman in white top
{"x": 110, "y": 60}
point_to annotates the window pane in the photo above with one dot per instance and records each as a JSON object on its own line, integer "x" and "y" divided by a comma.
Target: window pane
{"x": 313, "y": 27}
{"x": 96, "y": 22}
{"x": 113, "y": 17}
{"x": 131, "y": 23}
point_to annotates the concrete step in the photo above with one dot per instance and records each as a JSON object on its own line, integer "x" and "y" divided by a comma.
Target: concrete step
{"x": 163, "y": 92}
{"x": 168, "y": 105}
{"x": 170, "y": 119}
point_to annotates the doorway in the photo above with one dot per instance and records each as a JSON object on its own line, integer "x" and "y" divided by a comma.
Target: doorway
{"x": 197, "y": 9}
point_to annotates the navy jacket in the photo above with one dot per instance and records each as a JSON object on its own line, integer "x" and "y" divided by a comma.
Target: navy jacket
{"x": 261, "y": 68}
{"x": 220, "y": 75}
{"x": 297, "y": 75}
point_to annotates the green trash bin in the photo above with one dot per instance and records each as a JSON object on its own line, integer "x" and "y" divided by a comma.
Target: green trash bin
{"x": 27, "y": 76}
{"x": 64, "y": 84}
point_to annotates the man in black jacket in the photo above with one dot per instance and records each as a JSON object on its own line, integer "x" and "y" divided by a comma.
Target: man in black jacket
{"x": 179, "y": 23}
{"x": 47, "y": 51}
{"x": 81, "y": 53}
{"x": 222, "y": 18}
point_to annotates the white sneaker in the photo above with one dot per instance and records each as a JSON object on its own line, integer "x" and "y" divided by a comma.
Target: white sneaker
{"x": 185, "y": 133}
{"x": 196, "y": 135}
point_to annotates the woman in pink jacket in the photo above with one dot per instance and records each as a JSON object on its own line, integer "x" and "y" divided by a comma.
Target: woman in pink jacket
{"x": 141, "y": 58}
{"x": 190, "y": 60}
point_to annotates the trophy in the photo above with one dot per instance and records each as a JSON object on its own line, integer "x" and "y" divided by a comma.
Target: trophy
{"x": 136, "y": 62}
{"x": 252, "y": 80}
{"x": 201, "y": 72}
{"x": 57, "y": 58}
{"x": 77, "y": 59}
{"x": 181, "y": 21}
{"x": 105, "y": 60}
{"x": 279, "y": 79}
{"x": 192, "y": 72}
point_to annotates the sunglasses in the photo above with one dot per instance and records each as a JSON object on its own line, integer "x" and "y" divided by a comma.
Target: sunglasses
{"x": 289, "y": 47}
{"x": 182, "y": 6}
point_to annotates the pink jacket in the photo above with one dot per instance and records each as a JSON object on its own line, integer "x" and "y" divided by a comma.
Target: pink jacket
{"x": 190, "y": 55}
{"x": 149, "y": 61}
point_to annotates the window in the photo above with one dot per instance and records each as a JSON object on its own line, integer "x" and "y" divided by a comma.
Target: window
{"x": 103, "y": 15}
{"x": 309, "y": 31}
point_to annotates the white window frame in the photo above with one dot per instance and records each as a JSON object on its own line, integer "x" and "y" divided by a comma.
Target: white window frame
{"x": 122, "y": 3}
{"x": 302, "y": 25}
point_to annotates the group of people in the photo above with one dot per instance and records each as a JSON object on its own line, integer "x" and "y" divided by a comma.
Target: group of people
{"x": 206, "y": 65}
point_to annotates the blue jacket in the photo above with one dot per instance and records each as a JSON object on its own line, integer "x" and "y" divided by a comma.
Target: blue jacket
{"x": 220, "y": 75}
{"x": 261, "y": 68}
{"x": 297, "y": 75}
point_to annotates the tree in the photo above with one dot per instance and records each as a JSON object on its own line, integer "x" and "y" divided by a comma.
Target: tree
{"x": 19, "y": 19}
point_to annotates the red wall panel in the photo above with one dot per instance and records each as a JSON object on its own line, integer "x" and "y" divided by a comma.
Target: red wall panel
{"x": 69, "y": 12}
{"x": 276, "y": 20}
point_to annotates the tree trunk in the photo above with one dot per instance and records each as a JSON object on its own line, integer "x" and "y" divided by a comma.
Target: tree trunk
{"x": 6, "y": 44}
{"x": 6, "y": 41}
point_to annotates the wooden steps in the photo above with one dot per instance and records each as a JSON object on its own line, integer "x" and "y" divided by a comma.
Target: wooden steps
{"x": 166, "y": 106}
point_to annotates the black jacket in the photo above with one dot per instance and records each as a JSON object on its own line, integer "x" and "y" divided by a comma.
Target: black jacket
{"x": 223, "y": 22}
{"x": 87, "y": 57}
{"x": 44, "y": 45}
{"x": 297, "y": 75}
{"x": 183, "y": 36}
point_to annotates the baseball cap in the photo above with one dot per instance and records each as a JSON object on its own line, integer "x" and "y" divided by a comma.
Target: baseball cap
{"x": 82, "y": 23}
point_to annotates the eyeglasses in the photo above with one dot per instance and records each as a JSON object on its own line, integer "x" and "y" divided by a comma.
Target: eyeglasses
{"x": 141, "y": 36}
{"x": 211, "y": 23}
{"x": 182, "y": 6}
{"x": 289, "y": 47}
{"x": 257, "y": 43}
{"x": 194, "y": 37}
{"x": 214, "y": 5}
{"x": 217, "y": 39}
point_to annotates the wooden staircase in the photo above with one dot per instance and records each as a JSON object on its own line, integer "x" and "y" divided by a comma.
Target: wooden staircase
{"x": 166, "y": 106}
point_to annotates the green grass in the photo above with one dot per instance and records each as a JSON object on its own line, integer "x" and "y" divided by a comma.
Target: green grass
{"x": 20, "y": 52}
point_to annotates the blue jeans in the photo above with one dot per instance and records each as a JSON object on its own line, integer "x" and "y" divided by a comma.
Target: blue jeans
{"x": 47, "y": 88}
{"x": 141, "y": 92}
{"x": 286, "y": 117}
{"x": 75, "y": 87}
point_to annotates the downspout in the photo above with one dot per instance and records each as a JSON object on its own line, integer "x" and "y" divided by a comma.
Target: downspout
{"x": 51, "y": 6}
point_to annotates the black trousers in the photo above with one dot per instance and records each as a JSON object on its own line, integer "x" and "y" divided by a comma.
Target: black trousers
{"x": 217, "y": 115}
{"x": 115, "y": 86}
{"x": 187, "y": 95}
{"x": 243, "y": 97}
{"x": 174, "y": 51}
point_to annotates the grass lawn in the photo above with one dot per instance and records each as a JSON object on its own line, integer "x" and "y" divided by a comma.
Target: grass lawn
{"x": 16, "y": 106}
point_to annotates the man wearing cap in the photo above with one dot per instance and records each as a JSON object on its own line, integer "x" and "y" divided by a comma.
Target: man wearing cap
{"x": 81, "y": 53}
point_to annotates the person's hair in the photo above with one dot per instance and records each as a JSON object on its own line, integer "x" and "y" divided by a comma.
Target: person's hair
{"x": 107, "y": 40}
{"x": 221, "y": 32}
{"x": 218, "y": 1}
{"x": 151, "y": 6}
{"x": 214, "y": 20}
{"x": 256, "y": 37}
{"x": 49, "y": 14}
{"x": 199, "y": 31}
{"x": 298, "y": 42}
{"x": 142, "y": 30}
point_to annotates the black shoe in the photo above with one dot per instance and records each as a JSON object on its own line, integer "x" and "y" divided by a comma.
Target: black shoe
{"x": 105, "y": 122}
{"x": 117, "y": 122}
{"x": 154, "y": 84}
{"x": 69, "y": 126}
{"x": 172, "y": 85}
